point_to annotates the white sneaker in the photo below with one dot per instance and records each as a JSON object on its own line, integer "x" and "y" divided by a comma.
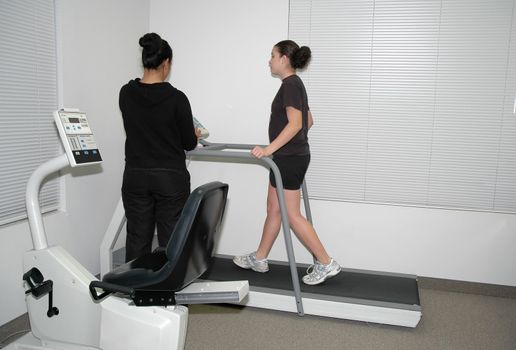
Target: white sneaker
{"x": 318, "y": 273}
{"x": 249, "y": 261}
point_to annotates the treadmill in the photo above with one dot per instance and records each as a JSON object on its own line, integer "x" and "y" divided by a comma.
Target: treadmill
{"x": 368, "y": 296}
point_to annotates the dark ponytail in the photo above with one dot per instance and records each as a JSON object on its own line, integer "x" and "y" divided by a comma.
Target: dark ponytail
{"x": 299, "y": 56}
{"x": 155, "y": 50}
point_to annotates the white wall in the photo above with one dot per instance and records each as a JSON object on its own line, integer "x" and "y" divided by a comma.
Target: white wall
{"x": 220, "y": 62}
{"x": 100, "y": 53}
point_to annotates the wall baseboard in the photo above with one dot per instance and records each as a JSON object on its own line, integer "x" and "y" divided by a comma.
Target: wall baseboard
{"x": 485, "y": 289}
{"x": 14, "y": 329}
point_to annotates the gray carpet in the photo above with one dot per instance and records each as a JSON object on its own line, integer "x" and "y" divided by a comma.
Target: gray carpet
{"x": 451, "y": 320}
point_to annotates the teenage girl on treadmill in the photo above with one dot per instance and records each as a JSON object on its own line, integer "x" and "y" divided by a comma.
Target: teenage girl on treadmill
{"x": 289, "y": 123}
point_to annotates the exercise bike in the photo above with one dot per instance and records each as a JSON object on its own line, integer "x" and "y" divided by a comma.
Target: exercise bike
{"x": 140, "y": 305}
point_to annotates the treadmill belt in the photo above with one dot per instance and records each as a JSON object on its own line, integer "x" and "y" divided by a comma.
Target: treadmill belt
{"x": 347, "y": 284}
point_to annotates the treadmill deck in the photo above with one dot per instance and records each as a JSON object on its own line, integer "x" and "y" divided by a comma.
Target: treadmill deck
{"x": 352, "y": 294}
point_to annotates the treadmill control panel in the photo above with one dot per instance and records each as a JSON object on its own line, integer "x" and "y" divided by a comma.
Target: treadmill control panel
{"x": 77, "y": 137}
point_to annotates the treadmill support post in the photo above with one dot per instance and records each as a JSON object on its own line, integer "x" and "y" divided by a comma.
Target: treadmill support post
{"x": 306, "y": 202}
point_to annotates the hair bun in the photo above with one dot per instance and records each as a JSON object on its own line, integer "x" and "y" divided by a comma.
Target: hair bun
{"x": 155, "y": 50}
{"x": 150, "y": 42}
{"x": 301, "y": 57}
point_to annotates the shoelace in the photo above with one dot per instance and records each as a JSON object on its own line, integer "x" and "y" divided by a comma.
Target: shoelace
{"x": 312, "y": 270}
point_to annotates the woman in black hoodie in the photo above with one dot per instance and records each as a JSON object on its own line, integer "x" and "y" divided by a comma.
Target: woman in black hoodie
{"x": 159, "y": 128}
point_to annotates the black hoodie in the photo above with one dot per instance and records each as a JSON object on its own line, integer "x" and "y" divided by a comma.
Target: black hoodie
{"x": 158, "y": 124}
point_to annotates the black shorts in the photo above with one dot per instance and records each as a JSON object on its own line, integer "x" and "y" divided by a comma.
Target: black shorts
{"x": 292, "y": 170}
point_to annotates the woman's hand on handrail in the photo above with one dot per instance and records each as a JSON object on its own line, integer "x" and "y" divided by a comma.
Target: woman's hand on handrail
{"x": 260, "y": 152}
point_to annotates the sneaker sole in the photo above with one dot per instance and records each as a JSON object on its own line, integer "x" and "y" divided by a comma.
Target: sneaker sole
{"x": 329, "y": 275}
{"x": 260, "y": 270}
{"x": 248, "y": 267}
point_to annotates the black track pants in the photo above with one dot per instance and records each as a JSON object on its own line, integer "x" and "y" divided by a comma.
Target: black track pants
{"x": 153, "y": 198}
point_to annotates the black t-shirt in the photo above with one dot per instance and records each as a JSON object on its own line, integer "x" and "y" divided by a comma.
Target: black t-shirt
{"x": 158, "y": 124}
{"x": 292, "y": 93}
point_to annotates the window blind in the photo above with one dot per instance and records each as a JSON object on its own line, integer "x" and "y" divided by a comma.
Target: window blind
{"x": 413, "y": 101}
{"x": 28, "y": 97}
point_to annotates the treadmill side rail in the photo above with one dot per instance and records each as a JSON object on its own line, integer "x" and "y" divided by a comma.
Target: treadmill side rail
{"x": 213, "y": 292}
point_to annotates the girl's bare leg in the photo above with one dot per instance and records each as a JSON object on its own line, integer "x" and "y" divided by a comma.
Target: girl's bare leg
{"x": 302, "y": 227}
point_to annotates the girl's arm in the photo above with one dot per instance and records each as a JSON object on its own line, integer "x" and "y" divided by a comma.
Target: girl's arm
{"x": 294, "y": 125}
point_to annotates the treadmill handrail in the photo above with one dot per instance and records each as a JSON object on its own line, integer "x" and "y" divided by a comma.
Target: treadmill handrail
{"x": 221, "y": 150}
